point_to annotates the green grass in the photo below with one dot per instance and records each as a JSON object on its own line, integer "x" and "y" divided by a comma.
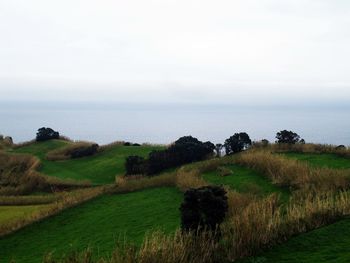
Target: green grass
{"x": 245, "y": 180}
{"x": 11, "y": 213}
{"x": 322, "y": 160}
{"x": 327, "y": 244}
{"x": 98, "y": 223}
{"x": 98, "y": 169}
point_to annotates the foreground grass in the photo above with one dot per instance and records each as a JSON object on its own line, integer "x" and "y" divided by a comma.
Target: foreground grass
{"x": 322, "y": 160}
{"x": 11, "y": 213}
{"x": 98, "y": 223}
{"x": 245, "y": 180}
{"x": 98, "y": 169}
{"x": 327, "y": 244}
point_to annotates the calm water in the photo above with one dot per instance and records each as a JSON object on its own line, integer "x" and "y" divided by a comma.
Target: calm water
{"x": 105, "y": 123}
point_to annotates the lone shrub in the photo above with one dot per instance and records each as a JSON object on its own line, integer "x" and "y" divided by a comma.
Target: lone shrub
{"x": 45, "y": 134}
{"x": 203, "y": 208}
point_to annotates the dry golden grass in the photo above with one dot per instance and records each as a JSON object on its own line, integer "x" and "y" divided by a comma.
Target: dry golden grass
{"x": 305, "y": 148}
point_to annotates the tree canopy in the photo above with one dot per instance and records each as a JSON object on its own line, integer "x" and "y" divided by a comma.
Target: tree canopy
{"x": 237, "y": 143}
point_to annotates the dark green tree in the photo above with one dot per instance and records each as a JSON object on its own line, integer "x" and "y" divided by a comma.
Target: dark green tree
{"x": 204, "y": 207}
{"x": 237, "y": 143}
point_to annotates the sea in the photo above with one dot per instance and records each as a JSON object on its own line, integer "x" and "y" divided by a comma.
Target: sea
{"x": 163, "y": 123}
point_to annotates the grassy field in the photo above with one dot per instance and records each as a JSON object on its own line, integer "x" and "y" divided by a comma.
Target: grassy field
{"x": 327, "y": 244}
{"x": 11, "y": 213}
{"x": 98, "y": 223}
{"x": 322, "y": 160}
{"x": 246, "y": 180}
{"x": 98, "y": 169}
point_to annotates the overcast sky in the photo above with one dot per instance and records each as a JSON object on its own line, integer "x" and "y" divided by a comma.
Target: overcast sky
{"x": 175, "y": 50}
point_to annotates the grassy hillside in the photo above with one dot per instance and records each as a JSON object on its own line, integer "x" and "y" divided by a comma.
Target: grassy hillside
{"x": 99, "y": 223}
{"x": 322, "y": 160}
{"x": 98, "y": 169}
{"x": 245, "y": 180}
{"x": 327, "y": 244}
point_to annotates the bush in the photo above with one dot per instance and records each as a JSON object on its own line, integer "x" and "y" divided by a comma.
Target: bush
{"x": 45, "y": 134}
{"x": 237, "y": 143}
{"x": 203, "y": 208}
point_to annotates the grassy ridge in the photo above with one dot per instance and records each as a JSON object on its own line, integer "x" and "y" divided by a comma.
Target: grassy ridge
{"x": 322, "y": 160}
{"x": 245, "y": 180}
{"x": 99, "y": 223}
{"x": 98, "y": 169}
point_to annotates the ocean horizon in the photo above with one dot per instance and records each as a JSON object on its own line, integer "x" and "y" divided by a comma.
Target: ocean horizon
{"x": 105, "y": 122}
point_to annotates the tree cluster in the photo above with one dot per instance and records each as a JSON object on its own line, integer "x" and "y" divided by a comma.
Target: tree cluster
{"x": 45, "y": 134}
{"x": 203, "y": 208}
{"x": 187, "y": 149}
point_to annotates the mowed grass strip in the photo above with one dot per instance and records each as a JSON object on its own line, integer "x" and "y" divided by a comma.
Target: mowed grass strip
{"x": 245, "y": 180}
{"x": 98, "y": 223}
{"x": 328, "y": 244}
{"x": 322, "y": 160}
{"x": 98, "y": 169}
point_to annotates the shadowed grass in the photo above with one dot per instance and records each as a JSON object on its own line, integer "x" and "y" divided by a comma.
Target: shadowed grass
{"x": 99, "y": 223}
